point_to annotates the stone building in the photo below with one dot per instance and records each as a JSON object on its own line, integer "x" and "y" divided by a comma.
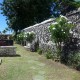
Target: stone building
{"x": 42, "y": 32}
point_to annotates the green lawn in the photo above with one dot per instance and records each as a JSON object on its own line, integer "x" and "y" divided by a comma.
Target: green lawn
{"x": 32, "y": 66}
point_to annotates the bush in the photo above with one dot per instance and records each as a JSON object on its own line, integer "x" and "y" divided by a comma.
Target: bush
{"x": 70, "y": 48}
{"x": 20, "y": 38}
{"x": 30, "y": 36}
{"x": 49, "y": 54}
{"x": 39, "y": 51}
{"x": 74, "y": 59}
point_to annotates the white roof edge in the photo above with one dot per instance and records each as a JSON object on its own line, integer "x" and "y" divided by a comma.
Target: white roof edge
{"x": 49, "y": 20}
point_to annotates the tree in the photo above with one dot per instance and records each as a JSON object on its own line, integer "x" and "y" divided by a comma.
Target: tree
{"x": 63, "y": 6}
{"x": 60, "y": 32}
{"x": 4, "y": 31}
{"x": 23, "y": 13}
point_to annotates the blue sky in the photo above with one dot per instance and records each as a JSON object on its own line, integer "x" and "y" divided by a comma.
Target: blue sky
{"x": 3, "y": 24}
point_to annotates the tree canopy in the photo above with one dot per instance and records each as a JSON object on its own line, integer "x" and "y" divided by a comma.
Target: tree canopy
{"x": 23, "y": 13}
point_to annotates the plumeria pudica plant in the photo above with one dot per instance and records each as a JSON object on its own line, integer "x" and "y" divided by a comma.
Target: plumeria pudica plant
{"x": 20, "y": 37}
{"x": 60, "y": 31}
{"x": 29, "y": 36}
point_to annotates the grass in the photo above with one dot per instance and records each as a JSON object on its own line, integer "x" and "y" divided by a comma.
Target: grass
{"x": 32, "y": 66}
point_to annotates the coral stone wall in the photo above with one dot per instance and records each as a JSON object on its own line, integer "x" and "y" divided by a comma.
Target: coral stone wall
{"x": 7, "y": 50}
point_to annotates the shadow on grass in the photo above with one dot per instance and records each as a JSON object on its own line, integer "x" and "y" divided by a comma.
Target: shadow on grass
{"x": 17, "y": 55}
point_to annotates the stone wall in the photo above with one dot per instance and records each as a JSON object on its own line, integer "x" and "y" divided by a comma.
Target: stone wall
{"x": 7, "y": 50}
{"x": 74, "y": 17}
{"x": 42, "y": 33}
{"x": 41, "y": 30}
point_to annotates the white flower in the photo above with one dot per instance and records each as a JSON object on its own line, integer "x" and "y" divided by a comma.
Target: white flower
{"x": 50, "y": 35}
{"x": 69, "y": 22}
{"x": 64, "y": 32}
{"x": 71, "y": 31}
{"x": 75, "y": 34}
{"x": 54, "y": 28}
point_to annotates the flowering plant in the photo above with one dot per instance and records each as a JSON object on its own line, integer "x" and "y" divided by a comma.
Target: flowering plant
{"x": 60, "y": 31}
{"x": 20, "y": 37}
{"x": 30, "y": 36}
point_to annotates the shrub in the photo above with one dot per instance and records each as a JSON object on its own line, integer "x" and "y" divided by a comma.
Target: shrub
{"x": 74, "y": 59}
{"x": 30, "y": 36}
{"x": 69, "y": 50}
{"x": 20, "y": 38}
{"x": 49, "y": 54}
{"x": 39, "y": 51}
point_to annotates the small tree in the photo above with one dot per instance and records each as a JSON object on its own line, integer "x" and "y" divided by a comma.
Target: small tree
{"x": 60, "y": 31}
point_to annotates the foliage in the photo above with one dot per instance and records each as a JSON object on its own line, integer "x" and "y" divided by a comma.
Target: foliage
{"x": 49, "y": 54}
{"x": 54, "y": 11}
{"x": 11, "y": 37}
{"x": 39, "y": 51}
{"x": 30, "y": 36}
{"x": 63, "y": 6}
{"x": 6, "y": 30}
{"x": 20, "y": 37}
{"x": 23, "y": 13}
{"x": 60, "y": 32}
{"x": 74, "y": 59}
